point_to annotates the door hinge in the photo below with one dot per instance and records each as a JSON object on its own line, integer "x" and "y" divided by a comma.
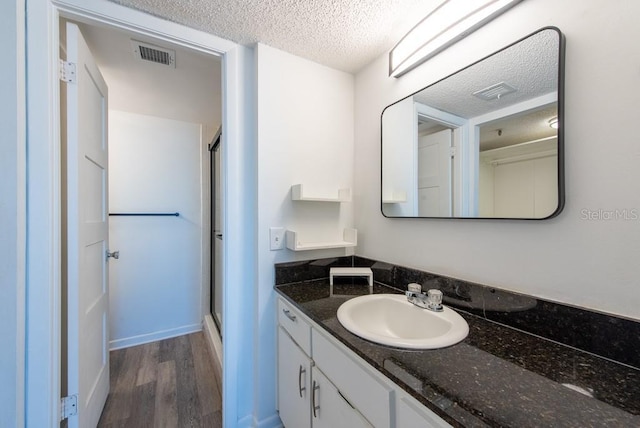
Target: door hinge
{"x": 67, "y": 71}
{"x": 452, "y": 152}
{"x": 68, "y": 406}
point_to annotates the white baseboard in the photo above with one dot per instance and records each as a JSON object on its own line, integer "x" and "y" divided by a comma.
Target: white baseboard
{"x": 272, "y": 421}
{"x": 215, "y": 343}
{"x": 249, "y": 421}
{"x": 245, "y": 422}
{"x": 153, "y": 337}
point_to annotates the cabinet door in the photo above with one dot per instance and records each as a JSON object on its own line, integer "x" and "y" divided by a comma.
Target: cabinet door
{"x": 294, "y": 383}
{"x": 355, "y": 379}
{"x": 329, "y": 409}
{"x": 410, "y": 413}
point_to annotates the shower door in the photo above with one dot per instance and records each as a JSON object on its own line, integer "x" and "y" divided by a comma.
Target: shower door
{"x": 216, "y": 232}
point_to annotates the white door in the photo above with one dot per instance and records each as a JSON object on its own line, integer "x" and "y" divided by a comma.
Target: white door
{"x": 434, "y": 174}
{"x": 87, "y": 234}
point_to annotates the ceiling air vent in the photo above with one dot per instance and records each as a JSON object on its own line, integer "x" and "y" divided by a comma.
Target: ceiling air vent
{"x": 495, "y": 92}
{"x": 152, "y": 53}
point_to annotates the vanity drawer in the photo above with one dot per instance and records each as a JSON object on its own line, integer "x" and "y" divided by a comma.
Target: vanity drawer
{"x": 354, "y": 380}
{"x": 295, "y": 324}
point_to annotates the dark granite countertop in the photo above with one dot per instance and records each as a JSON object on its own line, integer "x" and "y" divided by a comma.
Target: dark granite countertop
{"x": 497, "y": 377}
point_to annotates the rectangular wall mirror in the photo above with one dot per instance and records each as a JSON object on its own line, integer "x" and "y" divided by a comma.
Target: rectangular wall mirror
{"x": 484, "y": 142}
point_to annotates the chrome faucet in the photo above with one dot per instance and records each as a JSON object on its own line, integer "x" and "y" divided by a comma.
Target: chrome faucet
{"x": 432, "y": 300}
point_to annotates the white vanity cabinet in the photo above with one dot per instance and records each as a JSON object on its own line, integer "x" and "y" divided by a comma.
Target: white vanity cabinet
{"x": 306, "y": 397}
{"x": 322, "y": 383}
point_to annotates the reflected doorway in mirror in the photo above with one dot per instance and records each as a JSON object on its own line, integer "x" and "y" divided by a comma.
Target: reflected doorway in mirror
{"x": 527, "y": 183}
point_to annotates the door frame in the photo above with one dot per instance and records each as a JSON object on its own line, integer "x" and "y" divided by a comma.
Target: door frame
{"x": 43, "y": 241}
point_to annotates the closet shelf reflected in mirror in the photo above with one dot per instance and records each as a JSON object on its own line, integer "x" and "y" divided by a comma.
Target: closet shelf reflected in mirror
{"x": 394, "y": 198}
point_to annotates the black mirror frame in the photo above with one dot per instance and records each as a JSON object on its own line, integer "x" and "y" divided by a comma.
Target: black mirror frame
{"x": 560, "y": 135}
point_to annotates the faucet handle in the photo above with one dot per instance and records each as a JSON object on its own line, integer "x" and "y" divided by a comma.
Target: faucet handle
{"x": 414, "y": 288}
{"x": 434, "y": 299}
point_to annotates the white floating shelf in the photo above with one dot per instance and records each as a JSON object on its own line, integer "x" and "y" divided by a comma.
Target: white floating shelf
{"x": 298, "y": 194}
{"x": 350, "y": 239}
{"x": 395, "y": 198}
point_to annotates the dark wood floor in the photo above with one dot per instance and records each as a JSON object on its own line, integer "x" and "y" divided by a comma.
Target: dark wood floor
{"x": 170, "y": 383}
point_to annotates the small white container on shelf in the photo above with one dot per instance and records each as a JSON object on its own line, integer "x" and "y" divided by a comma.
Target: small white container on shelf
{"x": 294, "y": 242}
{"x": 298, "y": 193}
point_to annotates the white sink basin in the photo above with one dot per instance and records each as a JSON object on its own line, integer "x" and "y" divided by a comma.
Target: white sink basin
{"x": 389, "y": 319}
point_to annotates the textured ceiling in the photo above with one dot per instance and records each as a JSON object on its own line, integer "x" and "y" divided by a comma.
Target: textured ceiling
{"x": 532, "y": 125}
{"x": 342, "y": 34}
{"x": 530, "y": 66}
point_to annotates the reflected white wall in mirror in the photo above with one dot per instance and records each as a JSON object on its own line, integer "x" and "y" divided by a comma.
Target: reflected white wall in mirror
{"x": 478, "y": 144}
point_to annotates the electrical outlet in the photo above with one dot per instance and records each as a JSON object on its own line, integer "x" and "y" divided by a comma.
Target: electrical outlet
{"x": 276, "y": 238}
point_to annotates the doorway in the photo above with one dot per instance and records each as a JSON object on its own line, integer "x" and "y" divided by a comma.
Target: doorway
{"x": 43, "y": 268}
{"x": 158, "y": 180}
{"x": 165, "y": 105}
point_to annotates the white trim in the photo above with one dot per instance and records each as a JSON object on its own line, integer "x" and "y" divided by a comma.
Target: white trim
{"x": 238, "y": 179}
{"x": 245, "y": 422}
{"x": 13, "y": 215}
{"x": 43, "y": 196}
{"x": 215, "y": 343}
{"x": 272, "y": 421}
{"x": 205, "y": 231}
{"x": 530, "y": 104}
{"x": 153, "y": 337}
{"x": 115, "y": 15}
{"x": 440, "y": 116}
{"x": 42, "y": 388}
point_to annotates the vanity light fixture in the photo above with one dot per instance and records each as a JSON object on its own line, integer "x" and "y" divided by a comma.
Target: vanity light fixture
{"x": 448, "y": 23}
{"x": 553, "y": 122}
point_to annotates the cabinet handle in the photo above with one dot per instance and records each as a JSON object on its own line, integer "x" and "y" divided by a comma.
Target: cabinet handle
{"x": 313, "y": 399}
{"x": 300, "y": 372}
{"x": 289, "y": 315}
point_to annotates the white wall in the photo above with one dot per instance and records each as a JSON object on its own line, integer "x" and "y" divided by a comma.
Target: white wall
{"x": 189, "y": 92}
{"x": 305, "y": 136}
{"x": 590, "y": 263}
{"x": 527, "y": 188}
{"x": 155, "y": 286}
{"x": 12, "y": 214}
{"x": 486, "y": 182}
{"x": 399, "y": 127}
